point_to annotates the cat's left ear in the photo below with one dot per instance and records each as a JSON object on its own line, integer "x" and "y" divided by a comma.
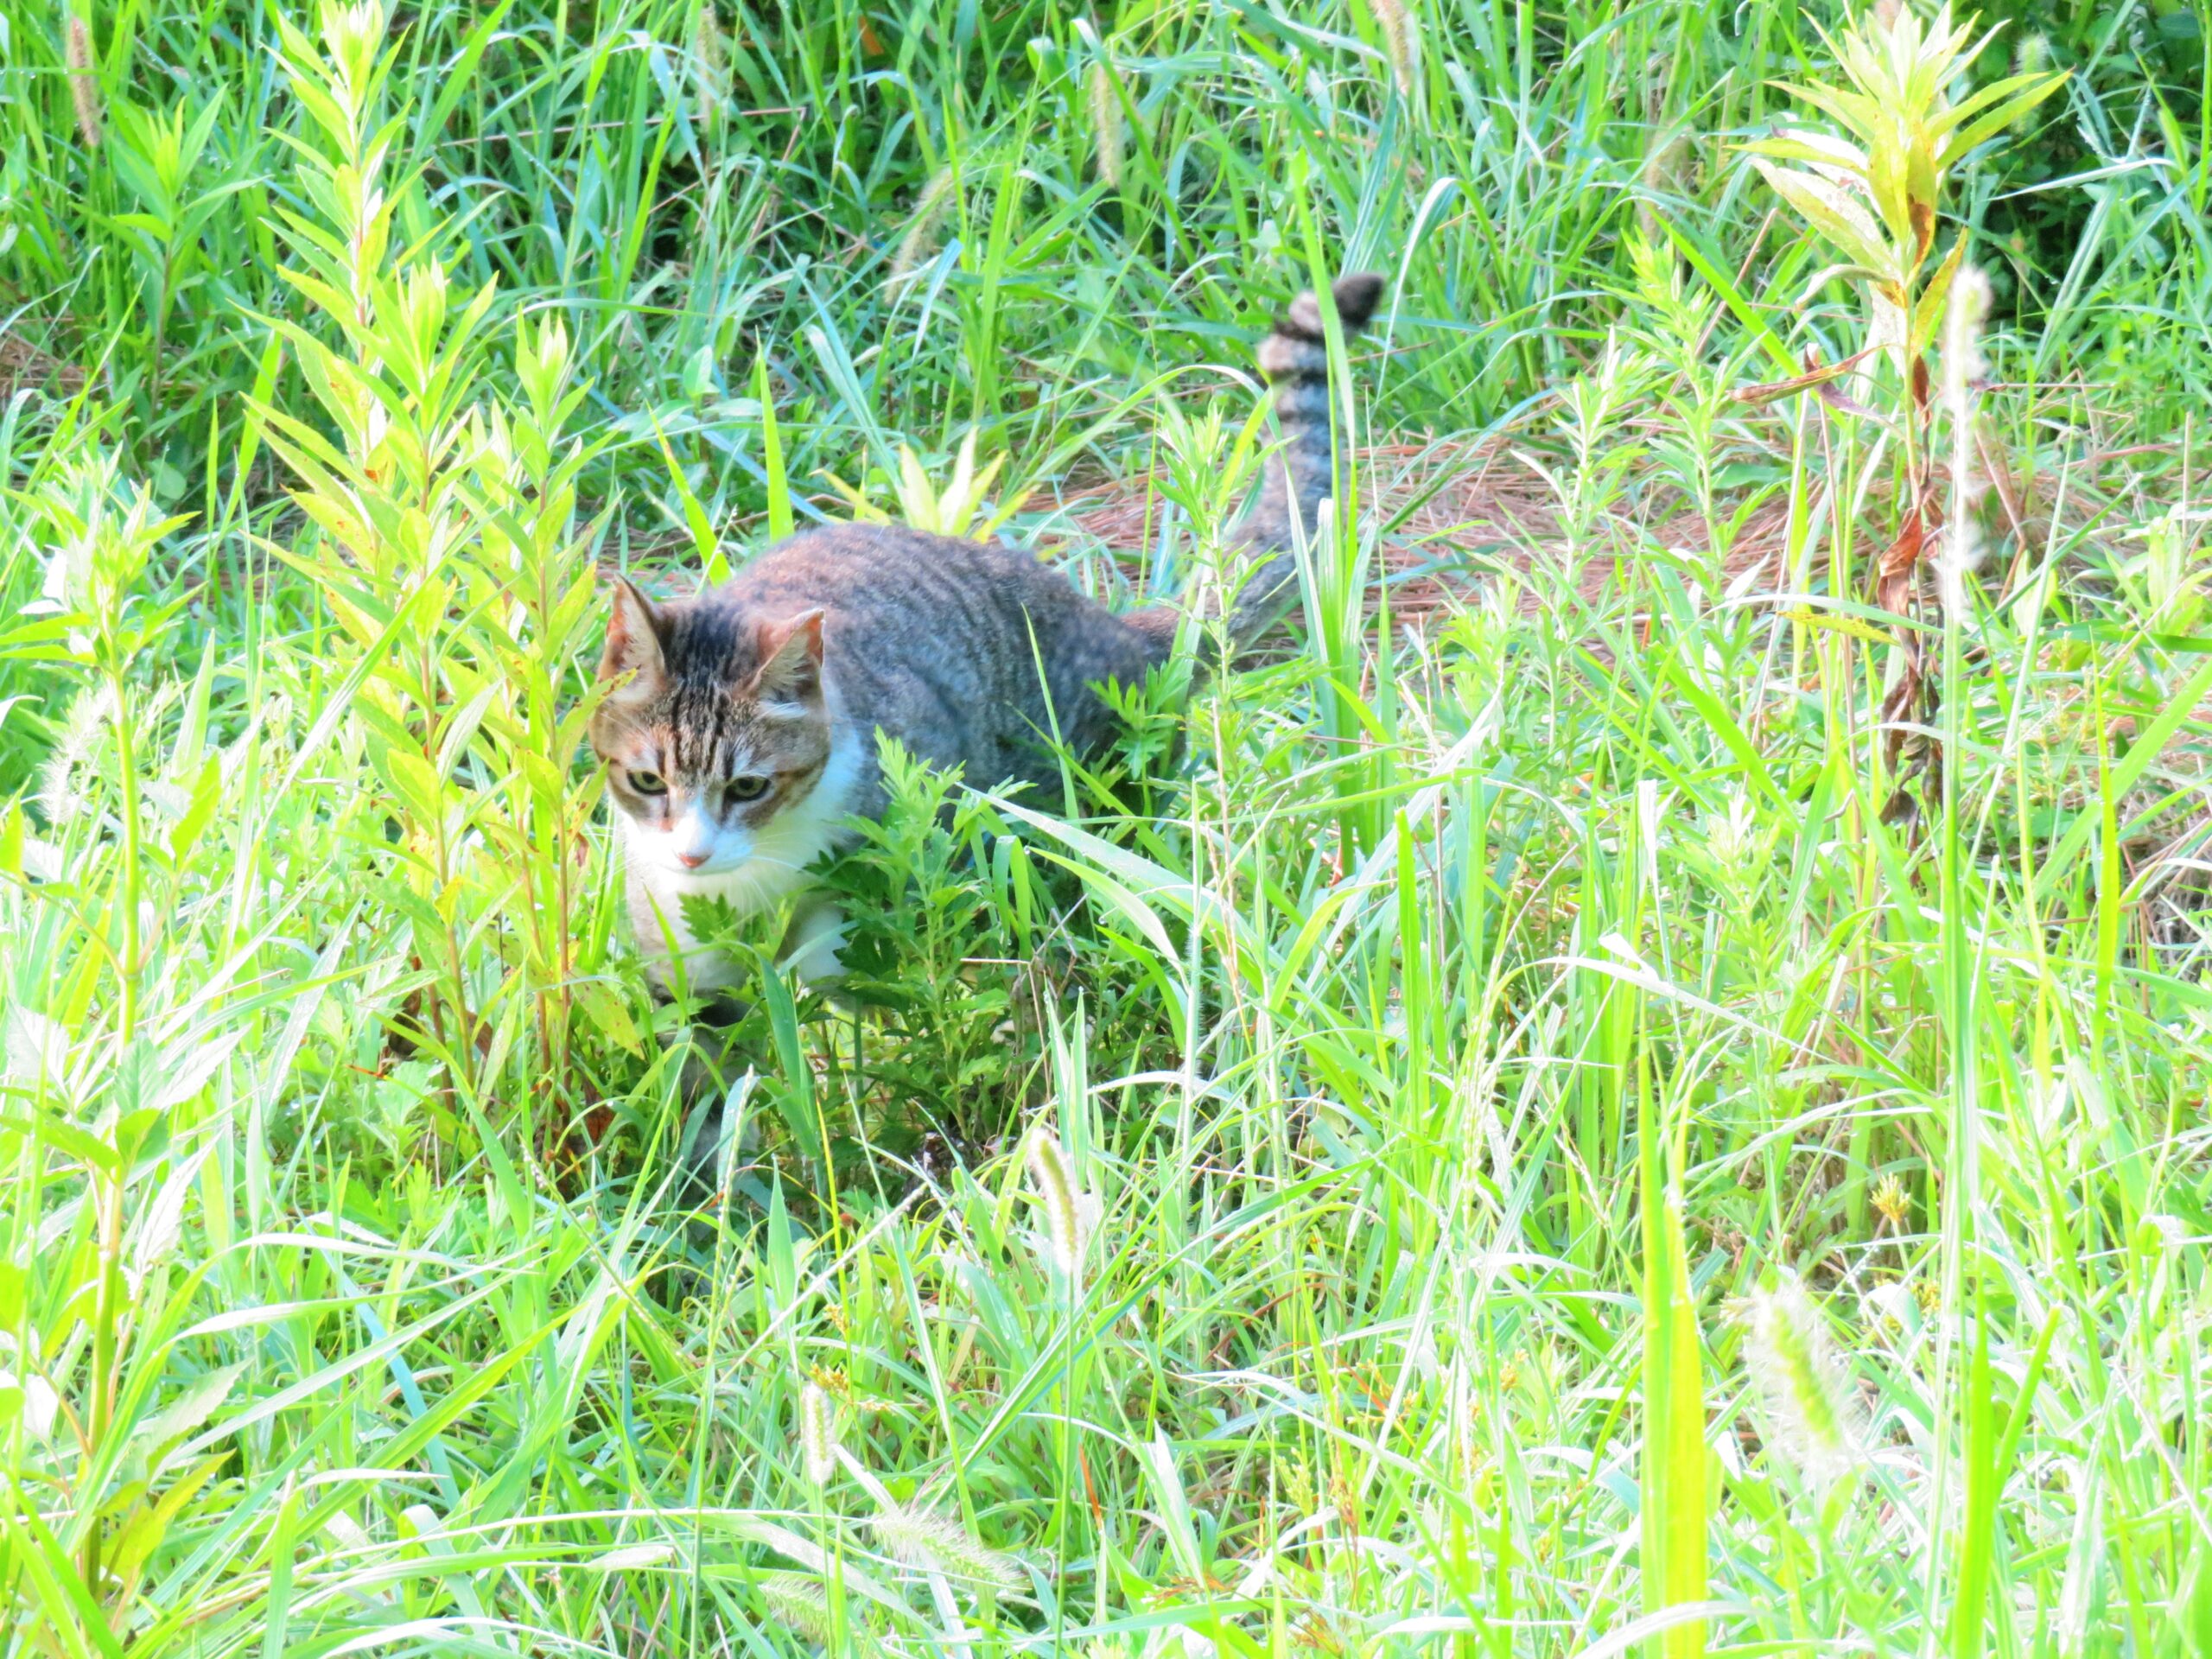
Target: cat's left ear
{"x": 791, "y": 660}
{"x": 632, "y": 650}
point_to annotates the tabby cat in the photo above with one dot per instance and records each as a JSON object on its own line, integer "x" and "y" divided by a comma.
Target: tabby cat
{"x": 740, "y": 731}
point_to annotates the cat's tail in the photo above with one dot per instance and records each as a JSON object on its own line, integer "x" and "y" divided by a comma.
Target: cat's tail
{"x": 1302, "y": 470}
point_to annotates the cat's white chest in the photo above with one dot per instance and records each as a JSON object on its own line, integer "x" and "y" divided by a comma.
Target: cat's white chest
{"x": 778, "y": 868}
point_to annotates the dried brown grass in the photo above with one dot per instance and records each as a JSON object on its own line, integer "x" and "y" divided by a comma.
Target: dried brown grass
{"x": 1461, "y": 513}
{"x": 24, "y": 363}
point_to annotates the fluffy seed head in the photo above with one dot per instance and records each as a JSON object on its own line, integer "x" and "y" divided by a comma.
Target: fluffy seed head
{"x": 936, "y": 1544}
{"x": 1962, "y": 367}
{"x": 1056, "y": 1196}
{"x": 61, "y": 793}
{"x": 1812, "y": 1419}
{"x": 84, "y": 90}
{"x": 1967, "y": 310}
{"x": 921, "y": 230}
{"x": 801, "y": 1603}
{"x": 1401, "y": 39}
{"x": 1106, "y": 122}
{"x": 707, "y": 46}
{"x": 2032, "y": 57}
{"x": 817, "y": 1440}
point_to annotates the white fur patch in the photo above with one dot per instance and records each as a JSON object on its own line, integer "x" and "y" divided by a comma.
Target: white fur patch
{"x": 811, "y": 950}
{"x": 1282, "y": 355}
{"x": 774, "y": 869}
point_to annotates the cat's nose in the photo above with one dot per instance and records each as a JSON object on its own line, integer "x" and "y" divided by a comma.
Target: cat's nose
{"x": 690, "y": 860}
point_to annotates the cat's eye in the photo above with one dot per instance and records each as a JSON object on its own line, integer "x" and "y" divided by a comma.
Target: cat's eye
{"x": 750, "y": 787}
{"x": 648, "y": 782}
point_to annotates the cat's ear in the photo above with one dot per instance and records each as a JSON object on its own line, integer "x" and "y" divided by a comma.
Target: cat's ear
{"x": 791, "y": 660}
{"x": 632, "y": 639}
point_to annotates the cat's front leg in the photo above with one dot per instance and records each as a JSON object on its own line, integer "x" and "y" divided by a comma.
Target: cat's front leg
{"x": 811, "y": 942}
{"x": 714, "y": 1066}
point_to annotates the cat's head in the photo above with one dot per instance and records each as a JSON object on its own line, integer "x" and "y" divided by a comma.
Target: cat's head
{"x": 714, "y": 725}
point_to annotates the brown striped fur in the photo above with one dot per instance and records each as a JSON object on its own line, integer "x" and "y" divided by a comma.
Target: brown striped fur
{"x": 742, "y": 732}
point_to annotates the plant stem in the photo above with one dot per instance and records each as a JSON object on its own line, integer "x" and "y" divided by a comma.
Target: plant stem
{"x": 108, "y": 1308}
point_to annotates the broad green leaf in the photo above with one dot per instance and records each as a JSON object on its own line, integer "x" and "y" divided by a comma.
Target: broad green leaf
{"x": 1833, "y": 212}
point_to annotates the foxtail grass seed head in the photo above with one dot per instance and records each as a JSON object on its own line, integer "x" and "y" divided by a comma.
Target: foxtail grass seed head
{"x": 1065, "y": 1230}
{"x": 1962, "y": 368}
{"x": 2032, "y": 57}
{"x": 817, "y": 1439}
{"x": 801, "y": 1604}
{"x": 61, "y": 795}
{"x": 1106, "y": 123}
{"x": 1401, "y": 39}
{"x": 936, "y": 1544}
{"x": 706, "y": 47}
{"x": 1967, "y": 310}
{"x": 83, "y": 89}
{"x": 1812, "y": 1420}
{"x": 1662, "y": 170}
{"x": 921, "y": 230}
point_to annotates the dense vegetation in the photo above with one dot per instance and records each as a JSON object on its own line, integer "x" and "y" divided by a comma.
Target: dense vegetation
{"x": 1644, "y": 1085}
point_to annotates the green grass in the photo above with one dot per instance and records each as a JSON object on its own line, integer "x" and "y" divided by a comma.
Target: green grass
{"x": 1481, "y": 1137}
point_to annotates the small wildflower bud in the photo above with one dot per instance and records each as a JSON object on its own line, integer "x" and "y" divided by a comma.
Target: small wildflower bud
{"x": 1889, "y": 1202}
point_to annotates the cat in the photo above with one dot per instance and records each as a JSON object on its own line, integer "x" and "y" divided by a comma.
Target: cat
{"x": 739, "y": 726}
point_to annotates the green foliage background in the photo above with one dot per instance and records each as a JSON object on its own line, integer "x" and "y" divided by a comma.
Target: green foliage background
{"x": 1481, "y": 1136}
